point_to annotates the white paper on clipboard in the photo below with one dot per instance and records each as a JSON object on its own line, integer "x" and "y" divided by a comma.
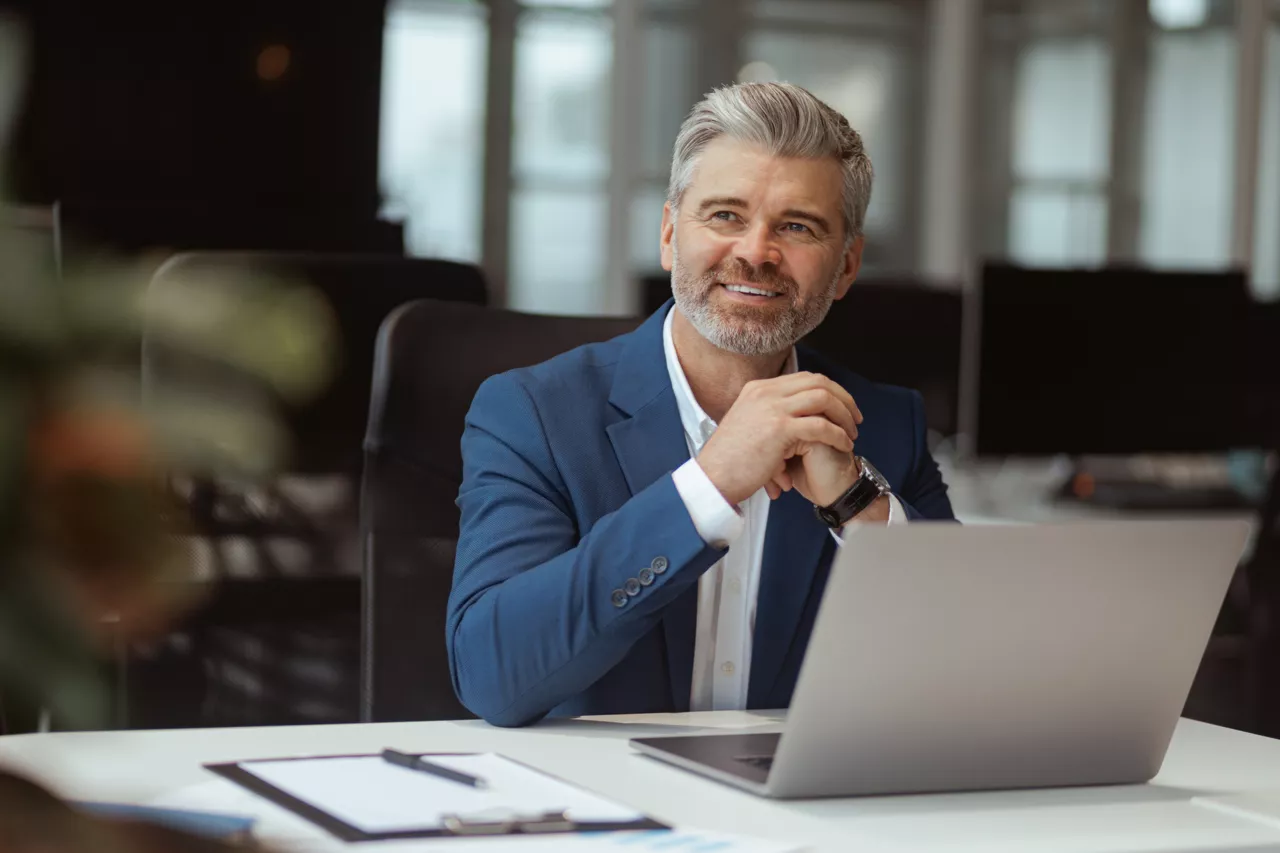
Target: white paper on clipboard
{"x": 375, "y": 796}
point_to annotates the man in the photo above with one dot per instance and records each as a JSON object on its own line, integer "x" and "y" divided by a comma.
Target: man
{"x": 639, "y": 524}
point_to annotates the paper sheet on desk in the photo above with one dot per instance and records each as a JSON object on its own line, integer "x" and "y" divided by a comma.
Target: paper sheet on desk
{"x": 375, "y": 796}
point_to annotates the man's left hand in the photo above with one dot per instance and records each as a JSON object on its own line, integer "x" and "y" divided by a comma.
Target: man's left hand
{"x": 822, "y": 474}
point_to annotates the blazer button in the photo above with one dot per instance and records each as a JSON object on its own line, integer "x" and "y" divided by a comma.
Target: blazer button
{"x": 646, "y": 576}
{"x": 659, "y": 565}
{"x": 632, "y": 587}
{"x": 619, "y": 598}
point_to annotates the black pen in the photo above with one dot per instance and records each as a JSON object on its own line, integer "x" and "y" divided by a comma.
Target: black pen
{"x": 416, "y": 762}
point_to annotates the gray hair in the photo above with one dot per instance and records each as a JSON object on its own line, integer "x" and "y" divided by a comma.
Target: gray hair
{"x": 785, "y": 120}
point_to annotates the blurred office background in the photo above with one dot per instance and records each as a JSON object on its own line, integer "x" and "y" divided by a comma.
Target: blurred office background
{"x": 1048, "y": 133}
{"x": 1083, "y": 158}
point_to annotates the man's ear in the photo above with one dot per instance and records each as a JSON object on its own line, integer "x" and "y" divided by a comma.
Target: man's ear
{"x": 852, "y": 263}
{"x": 668, "y": 235}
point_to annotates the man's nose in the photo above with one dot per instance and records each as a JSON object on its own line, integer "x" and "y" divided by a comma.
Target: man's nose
{"x": 758, "y": 246}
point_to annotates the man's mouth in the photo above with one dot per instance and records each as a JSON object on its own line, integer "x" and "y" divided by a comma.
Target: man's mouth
{"x": 748, "y": 290}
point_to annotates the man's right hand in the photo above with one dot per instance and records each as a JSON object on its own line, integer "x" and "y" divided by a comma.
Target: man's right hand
{"x": 772, "y": 421}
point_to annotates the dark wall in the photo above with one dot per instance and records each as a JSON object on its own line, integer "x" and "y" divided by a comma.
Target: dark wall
{"x": 162, "y": 105}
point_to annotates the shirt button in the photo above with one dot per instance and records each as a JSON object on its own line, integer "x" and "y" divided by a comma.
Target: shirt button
{"x": 632, "y": 587}
{"x": 659, "y": 565}
{"x": 619, "y": 598}
{"x": 646, "y": 576}
{"x": 727, "y": 667}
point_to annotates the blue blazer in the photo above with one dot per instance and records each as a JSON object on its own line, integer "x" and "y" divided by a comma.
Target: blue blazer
{"x": 567, "y": 494}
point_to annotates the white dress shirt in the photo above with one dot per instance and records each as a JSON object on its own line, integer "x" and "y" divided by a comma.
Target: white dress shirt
{"x": 727, "y": 591}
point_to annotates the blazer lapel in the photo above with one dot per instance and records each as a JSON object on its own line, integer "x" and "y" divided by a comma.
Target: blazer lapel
{"x": 650, "y": 444}
{"x": 649, "y": 441}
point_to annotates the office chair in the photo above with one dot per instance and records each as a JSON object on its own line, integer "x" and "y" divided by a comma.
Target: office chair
{"x": 1262, "y": 567}
{"x": 431, "y": 357}
{"x": 1263, "y": 572}
{"x": 901, "y": 332}
{"x": 278, "y": 636}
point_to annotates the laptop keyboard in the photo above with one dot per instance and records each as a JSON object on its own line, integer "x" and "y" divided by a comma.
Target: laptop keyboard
{"x": 760, "y": 762}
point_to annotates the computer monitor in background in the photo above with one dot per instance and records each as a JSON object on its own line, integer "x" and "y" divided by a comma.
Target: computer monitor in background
{"x": 1113, "y": 362}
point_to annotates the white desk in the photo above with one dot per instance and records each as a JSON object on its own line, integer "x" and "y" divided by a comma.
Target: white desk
{"x": 140, "y": 767}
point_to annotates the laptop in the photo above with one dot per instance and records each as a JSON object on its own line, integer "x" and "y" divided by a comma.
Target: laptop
{"x": 949, "y": 658}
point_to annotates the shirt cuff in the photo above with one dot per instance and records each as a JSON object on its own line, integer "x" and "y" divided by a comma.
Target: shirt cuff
{"x": 897, "y": 515}
{"x": 717, "y": 521}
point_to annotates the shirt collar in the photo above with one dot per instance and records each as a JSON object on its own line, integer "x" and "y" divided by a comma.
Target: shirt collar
{"x": 698, "y": 426}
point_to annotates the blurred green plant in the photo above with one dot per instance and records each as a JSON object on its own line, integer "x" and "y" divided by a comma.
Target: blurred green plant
{"x": 92, "y": 545}
{"x": 91, "y": 541}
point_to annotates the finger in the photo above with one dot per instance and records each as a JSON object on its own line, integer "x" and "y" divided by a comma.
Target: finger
{"x": 820, "y": 431}
{"x": 783, "y": 478}
{"x": 796, "y": 382}
{"x": 845, "y": 398}
{"x": 773, "y": 491}
{"x": 820, "y": 401}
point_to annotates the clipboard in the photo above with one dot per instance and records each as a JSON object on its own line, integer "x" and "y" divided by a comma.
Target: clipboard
{"x": 309, "y": 787}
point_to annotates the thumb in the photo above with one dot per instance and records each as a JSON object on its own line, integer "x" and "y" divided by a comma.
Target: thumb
{"x": 782, "y": 477}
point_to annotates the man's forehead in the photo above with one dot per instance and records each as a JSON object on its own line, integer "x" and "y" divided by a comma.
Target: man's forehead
{"x": 729, "y": 168}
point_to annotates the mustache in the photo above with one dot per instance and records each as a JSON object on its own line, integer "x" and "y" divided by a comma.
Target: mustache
{"x": 738, "y": 270}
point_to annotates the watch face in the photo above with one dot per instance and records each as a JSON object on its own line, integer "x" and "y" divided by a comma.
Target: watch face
{"x": 874, "y": 474}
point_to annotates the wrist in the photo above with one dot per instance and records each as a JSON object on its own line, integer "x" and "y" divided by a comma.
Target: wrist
{"x": 724, "y": 485}
{"x": 840, "y": 483}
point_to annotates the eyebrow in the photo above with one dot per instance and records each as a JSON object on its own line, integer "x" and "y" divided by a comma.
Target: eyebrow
{"x": 720, "y": 201}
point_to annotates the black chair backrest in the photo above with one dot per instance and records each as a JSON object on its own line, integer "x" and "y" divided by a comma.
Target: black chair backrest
{"x": 1263, "y": 574}
{"x": 431, "y": 357}
{"x": 902, "y": 332}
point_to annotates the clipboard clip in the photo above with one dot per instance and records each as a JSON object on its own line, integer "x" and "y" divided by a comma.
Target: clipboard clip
{"x": 507, "y": 822}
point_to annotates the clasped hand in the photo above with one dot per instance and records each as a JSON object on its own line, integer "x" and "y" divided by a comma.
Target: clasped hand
{"x": 794, "y": 431}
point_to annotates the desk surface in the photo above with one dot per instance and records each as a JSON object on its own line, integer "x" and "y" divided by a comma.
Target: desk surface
{"x": 143, "y": 767}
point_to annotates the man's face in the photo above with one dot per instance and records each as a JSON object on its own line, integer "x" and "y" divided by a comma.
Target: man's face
{"x": 757, "y": 250}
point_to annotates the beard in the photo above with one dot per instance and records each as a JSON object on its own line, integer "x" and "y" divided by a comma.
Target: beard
{"x": 750, "y": 330}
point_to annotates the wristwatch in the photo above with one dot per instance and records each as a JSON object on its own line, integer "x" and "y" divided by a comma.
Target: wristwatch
{"x": 869, "y": 486}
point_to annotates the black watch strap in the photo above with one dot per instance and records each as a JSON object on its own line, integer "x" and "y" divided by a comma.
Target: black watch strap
{"x": 862, "y": 494}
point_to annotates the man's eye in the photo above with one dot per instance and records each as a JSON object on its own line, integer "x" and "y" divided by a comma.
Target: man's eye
{"x": 797, "y": 228}
{"x": 725, "y": 216}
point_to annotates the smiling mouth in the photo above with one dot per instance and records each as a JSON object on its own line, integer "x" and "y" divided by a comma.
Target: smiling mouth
{"x": 748, "y": 290}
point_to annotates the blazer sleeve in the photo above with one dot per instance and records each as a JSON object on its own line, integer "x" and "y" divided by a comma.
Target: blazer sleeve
{"x": 533, "y": 618}
{"x": 923, "y": 494}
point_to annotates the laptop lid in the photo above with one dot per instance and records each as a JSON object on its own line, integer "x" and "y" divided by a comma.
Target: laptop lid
{"x": 950, "y": 658}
